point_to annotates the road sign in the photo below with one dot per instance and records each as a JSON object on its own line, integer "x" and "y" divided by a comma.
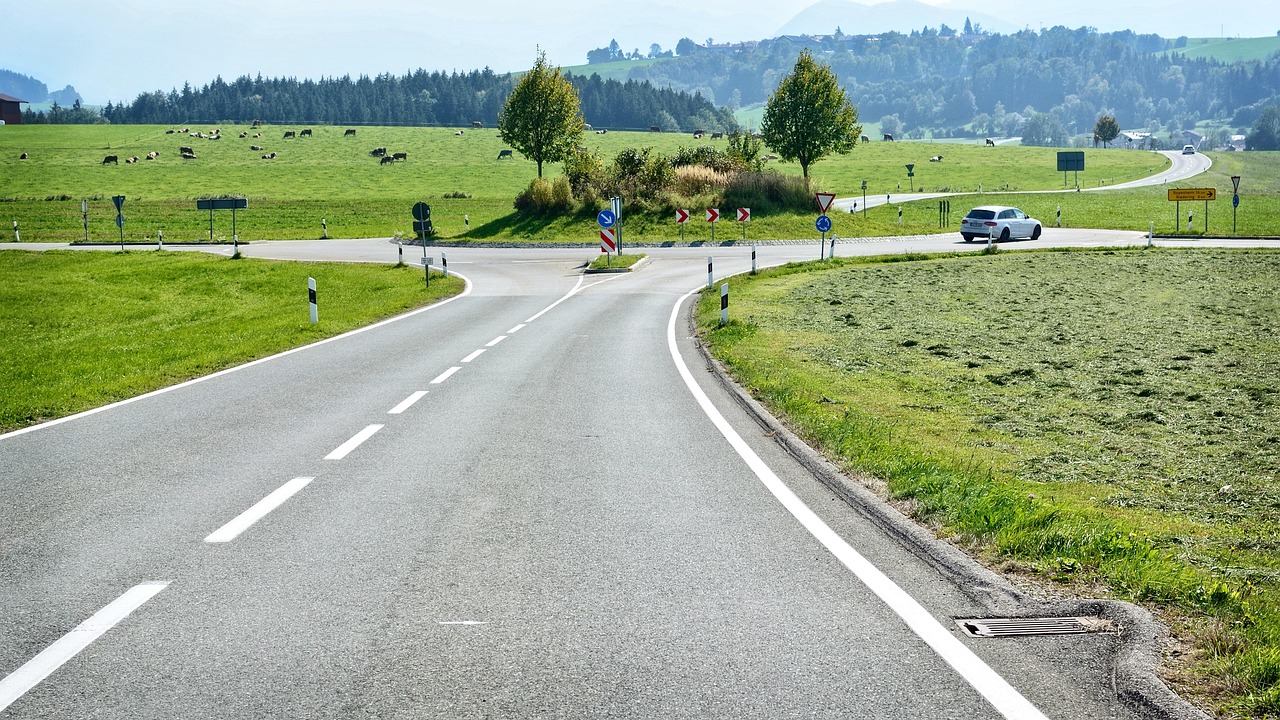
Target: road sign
{"x": 607, "y": 239}
{"x": 823, "y": 224}
{"x": 744, "y": 214}
{"x": 222, "y": 204}
{"x": 422, "y": 212}
{"x": 910, "y": 169}
{"x": 824, "y": 201}
{"x": 1235, "y": 201}
{"x": 713, "y": 215}
{"x": 423, "y": 227}
{"x": 118, "y": 200}
{"x": 1183, "y": 194}
{"x": 1071, "y": 161}
{"x": 606, "y": 218}
{"x": 682, "y": 216}
{"x": 119, "y": 221}
{"x": 616, "y": 204}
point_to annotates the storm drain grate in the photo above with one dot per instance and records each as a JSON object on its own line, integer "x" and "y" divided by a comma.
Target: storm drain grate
{"x": 1014, "y": 627}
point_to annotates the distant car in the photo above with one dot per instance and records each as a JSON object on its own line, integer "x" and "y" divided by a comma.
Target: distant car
{"x": 999, "y": 222}
{"x": 1188, "y": 149}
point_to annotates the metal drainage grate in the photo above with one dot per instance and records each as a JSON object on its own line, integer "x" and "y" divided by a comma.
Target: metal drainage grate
{"x": 1014, "y": 627}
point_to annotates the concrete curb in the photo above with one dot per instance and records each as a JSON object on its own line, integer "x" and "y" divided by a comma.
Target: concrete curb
{"x": 1137, "y": 655}
{"x": 606, "y": 271}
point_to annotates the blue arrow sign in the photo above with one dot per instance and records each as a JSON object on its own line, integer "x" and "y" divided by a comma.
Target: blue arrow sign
{"x": 606, "y": 218}
{"x": 823, "y": 224}
{"x": 1235, "y": 201}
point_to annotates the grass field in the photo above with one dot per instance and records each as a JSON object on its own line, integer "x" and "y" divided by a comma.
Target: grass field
{"x": 333, "y": 178}
{"x": 1102, "y": 419}
{"x": 1230, "y": 50}
{"x": 122, "y": 324}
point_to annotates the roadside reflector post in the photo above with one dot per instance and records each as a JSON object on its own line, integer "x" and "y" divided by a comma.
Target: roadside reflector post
{"x": 1151, "y": 233}
{"x": 832, "y": 254}
{"x": 1059, "y": 216}
{"x": 311, "y": 297}
{"x": 753, "y": 259}
{"x": 724, "y": 304}
{"x": 444, "y": 263}
{"x": 1190, "y": 215}
{"x": 426, "y": 269}
{"x": 399, "y": 253}
{"x": 159, "y": 239}
{"x": 991, "y": 236}
{"x": 710, "y": 282}
{"x": 324, "y": 229}
{"x": 899, "y": 210}
{"x": 16, "y": 236}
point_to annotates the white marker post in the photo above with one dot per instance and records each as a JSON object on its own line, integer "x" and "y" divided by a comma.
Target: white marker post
{"x": 753, "y": 259}
{"x": 991, "y": 236}
{"x": 833, "y": 246}
{"x": 1151, "y": 233}
{"x": 311, "y": 297}
{"x": 324, "y": 229}
{"x": 710, "y": 282}
{"x": 399, "y": 253}
{"x": 724, "y": 304}
{"x": 444, "y": 263}
{"x": 16, "y": 236}
{"x": 159, "y": 239}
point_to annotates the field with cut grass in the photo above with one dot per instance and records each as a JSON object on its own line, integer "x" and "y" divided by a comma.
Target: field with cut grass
{"x": 1103, "y": 419}
{"x": 1230, "y": 50}
{"x": 332, "y": 177}
{"x": 123, "y": 324}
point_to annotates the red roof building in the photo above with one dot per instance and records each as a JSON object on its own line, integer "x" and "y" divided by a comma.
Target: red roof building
{"x": 11, "y": 109}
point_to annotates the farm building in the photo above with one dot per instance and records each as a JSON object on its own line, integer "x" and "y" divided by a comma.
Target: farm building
{"x": 11, "y": 109}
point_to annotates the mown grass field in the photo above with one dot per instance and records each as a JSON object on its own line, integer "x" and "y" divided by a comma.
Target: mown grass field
{"x": 1103, "y": 419}
{"x": 333, "y": 178}
{"x": 1230, "y": 50}
{"x": 83, "y": 329}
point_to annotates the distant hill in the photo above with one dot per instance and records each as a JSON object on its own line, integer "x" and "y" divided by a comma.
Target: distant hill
{"x": 34, "y": 91}
{"x": 896, "y": 16}
{"x": 1229, "y": 50}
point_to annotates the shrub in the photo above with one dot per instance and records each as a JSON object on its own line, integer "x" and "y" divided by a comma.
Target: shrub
{"x": 769, "y": 191}
{"x": 541, "y": 197}
{"x": 640, "y": 174}
{"x": 694, "y": 180}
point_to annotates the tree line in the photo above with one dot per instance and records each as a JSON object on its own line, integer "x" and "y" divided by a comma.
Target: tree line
{"x": 417, "y": 98}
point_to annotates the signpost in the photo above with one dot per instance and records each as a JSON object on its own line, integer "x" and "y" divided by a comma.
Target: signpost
{"x": 864, "y": 198}
{"x": 1235, "y": 200}
{"x": 744, "y": 217}
{"x": 911, "y": 168}
{"x": 1070, "y": 160}
{"x": 231, "y": 204}
{"x": 713, "y": 217}
{"x": 616, "y": 205}
{"x": 1179, "y": 195}
{"x": 119, "y": 201}
{"x": 682, "y": 217}
{"x": 823, "y": 224}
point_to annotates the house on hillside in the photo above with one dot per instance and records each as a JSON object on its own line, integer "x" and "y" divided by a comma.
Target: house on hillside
{"x": 10, "y": 110}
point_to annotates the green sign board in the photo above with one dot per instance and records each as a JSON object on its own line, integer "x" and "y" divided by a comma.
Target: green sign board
{"x": 1069, "y": 160}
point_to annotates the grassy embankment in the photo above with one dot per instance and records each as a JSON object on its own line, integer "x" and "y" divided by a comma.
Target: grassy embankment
{"x": 83, "y": 329}
{"x": 333, "y": 178}
{"x": 1103, "y": 419}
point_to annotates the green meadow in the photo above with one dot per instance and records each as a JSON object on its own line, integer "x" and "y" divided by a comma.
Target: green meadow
{"x": 333, "y": 178}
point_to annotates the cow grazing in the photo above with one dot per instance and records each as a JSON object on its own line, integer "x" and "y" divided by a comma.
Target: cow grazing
{"x": 188, "y": 156}
{"x": 378, "y": 152}
{"x": 991, "y": 143}
{"x": 256, "y": 148}
{"x": 131, "y": 160}
{"x": 244, "y": 134}
{"x": 170, "y": 131}
{"x": 305, "y": 133}
{"x": 290, "y": 134}
{"x": 717, "y": 135}
{"x": 504, "y": 153}
{"x": 697, "y": 136}
{"x": 257, "y": 123}
{"x": 866, "y": 139}
{"x": 351, "y": 132}
{"x": 602, "y": 132}
{"x": 888, "y": 137}
{"x": 654, "y": 128}
{"x": 257, "y": 135}
{"x": 153, "y": 155}
{"x": 186, "y": 150}
{"x": 23, "y": 156}
{"x": 477, "y": 125}
{"x": 400, "y": 156}
{"x": 111, "y": 159}
{"x": 936, "y": 158}
{"x": 386, "y": 160}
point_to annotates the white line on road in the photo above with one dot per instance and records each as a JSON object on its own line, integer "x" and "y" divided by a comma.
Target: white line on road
{"x": 345, "y": 448}
{"x": 997, "y": 691}
{"x": 516, "y": 329}
{"x": 445, "y": 375}
{"x": 579, "y": 287}
{"x": 246, "y": 519}
{"x": 68, "y": 646}
{"x": 462, "y": 622}
{"x": 473, "y": 355}
{"x": 407, "y": 403}
{"x": 495, "y": 341}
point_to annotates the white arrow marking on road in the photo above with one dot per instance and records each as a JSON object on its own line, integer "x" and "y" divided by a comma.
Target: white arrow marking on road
{"x": 445, "y": 375}
{"x": 473, "y": 355}
{"x": 246, "y": 519}
{"x": 997, "y": 691}
{"x": 345, "y": 448}
{"x": 68, "y": 646}
{"x": 407, "y": 403}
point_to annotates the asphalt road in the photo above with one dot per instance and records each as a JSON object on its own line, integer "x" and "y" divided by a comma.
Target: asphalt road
{"x": 534, "y": 499}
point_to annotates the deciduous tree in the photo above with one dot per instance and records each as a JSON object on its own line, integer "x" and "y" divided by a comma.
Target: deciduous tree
{"x": 1106, "y": 129}
{"x": 809, "y": 116}
{"x": 1265, "y": 133}
{"x": 542, "y": 118}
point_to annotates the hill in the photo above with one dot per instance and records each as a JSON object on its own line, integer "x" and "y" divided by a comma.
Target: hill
{"x": 1229, "y": 50}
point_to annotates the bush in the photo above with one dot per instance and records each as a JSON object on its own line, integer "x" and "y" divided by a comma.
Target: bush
{"x": 694, "y": 180}
{"x": 543, "y": 198}
{"x": 640, "y": 174}
{"x": 769, "y": 192}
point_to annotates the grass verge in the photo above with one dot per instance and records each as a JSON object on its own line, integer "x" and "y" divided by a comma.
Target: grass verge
{"x": 604, "y": 262}
{"x": 83, "y": 329}
{"x": 1101, "y": 419}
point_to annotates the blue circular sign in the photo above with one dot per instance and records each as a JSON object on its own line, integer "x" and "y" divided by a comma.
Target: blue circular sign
{"x": 1235, "y": 201}
{"x": 606, "y": 218}
{"x": 823, "y": 224}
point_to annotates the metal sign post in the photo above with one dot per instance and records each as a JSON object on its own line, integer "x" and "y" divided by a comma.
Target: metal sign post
{"x": 1235, "y": 200}
{"x": 84, "y": 213}
{"x": 616, "y": 204}
{"x": 864, "y": 198}
{"x": 119, "y": 201}
{"x": 911, "y": 174}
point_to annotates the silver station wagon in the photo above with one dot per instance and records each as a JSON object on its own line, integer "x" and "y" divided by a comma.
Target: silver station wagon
{"x": 1002, "y": 223}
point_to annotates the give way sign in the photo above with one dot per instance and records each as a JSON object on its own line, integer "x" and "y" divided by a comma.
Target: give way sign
{"x": 824, "y": 201}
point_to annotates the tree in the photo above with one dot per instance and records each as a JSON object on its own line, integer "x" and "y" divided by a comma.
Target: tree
{"x": 1045, "y": 130}
{"x": 1106, "y": 129}
{"x": 542, "y": 117}
{"x": 968, "y": 27}
{"x": 686, "y": 47}
{"x": 809, "y": 116}
{"x": 1265, "y": 133}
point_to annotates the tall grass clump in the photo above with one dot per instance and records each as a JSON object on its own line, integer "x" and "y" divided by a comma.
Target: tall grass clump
{"x": 769, "y": 192}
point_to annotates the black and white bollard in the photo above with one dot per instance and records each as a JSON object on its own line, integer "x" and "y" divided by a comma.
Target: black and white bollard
{"x": 324, "y": 229}
{"x": 444, "y": 262}
{"x": 886, "y": 199}
{"x": 832, "y": 254}
{"x": 1190, "y": 215}
{"x": 710, "y": 282}
{"x": 399, "y": 253}
{"x": 724, "y": 304}
{"x": 991, "y": 237}
{"x": 16, "y": 236}
{"x": 466, "y": 222}
{"x": 311, "y": 297}
{"x": 1059, "y": 216}
{"x": 753, "y": 259}
{"x": 159, "y": 240}
{"x": 1151, "y": 233}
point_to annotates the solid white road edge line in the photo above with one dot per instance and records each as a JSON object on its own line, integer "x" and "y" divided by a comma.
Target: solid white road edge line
{"x": 407, "y": 403}
{"x": 994, "y": 688}
{"x": 246, "y": 519}
{"x": 495, "y": 341}
{"x": 345, "y": 448}
{"x": 259, "y": 361}
{"x": 473, "y": 355}
{"x": 445, "y": 375}
{"x": 68, "y": 646}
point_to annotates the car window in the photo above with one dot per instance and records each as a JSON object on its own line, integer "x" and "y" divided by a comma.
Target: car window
{"x": 981, "y": 214}
{"x": 1006, "y": 214}
{"x": 1019, "y": 214}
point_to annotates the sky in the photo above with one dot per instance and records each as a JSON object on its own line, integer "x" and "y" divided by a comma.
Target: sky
{"x": 112, "y": 51}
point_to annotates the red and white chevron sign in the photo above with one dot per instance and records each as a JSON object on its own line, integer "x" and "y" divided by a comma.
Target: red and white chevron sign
{"x": 744, "y": 214}
{"x": 608, "y": 240}
{"x": 713, "y": 215}
{"x": 682, "y": 216}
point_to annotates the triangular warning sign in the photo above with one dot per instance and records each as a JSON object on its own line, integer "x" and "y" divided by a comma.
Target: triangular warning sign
{"x": 824, "y": 201}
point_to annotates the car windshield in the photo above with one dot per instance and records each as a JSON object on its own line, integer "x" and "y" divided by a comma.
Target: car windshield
{"x": 982, "y": 214}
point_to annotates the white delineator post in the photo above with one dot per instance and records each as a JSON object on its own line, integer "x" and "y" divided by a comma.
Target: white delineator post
{"x": 710, "y": 282}
{"x": 444, "y": 262}
{"x": 311, "y": 296}
{"x": 724, "y": 304}
{"x": 753, "y": 259}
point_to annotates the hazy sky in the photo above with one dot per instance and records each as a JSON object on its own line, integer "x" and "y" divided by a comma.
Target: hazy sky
{"x": 115, "y": 49}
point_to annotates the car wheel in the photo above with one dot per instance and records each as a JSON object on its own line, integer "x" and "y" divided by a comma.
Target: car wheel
{"x": 1004, "y": 235}
{"x": 967, "y": 237}
{"x": 1035, "y": 234}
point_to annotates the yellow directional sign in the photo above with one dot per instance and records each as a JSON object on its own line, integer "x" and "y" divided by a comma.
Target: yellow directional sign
{"x": 1184, "y": 194}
